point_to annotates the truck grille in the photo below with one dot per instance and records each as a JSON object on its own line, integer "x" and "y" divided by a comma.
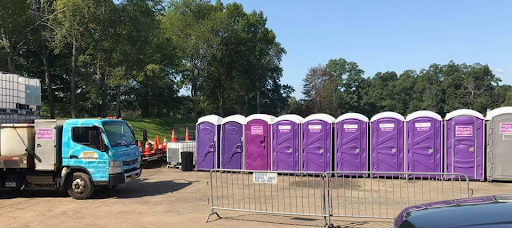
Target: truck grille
{"x": 130, "y": 162}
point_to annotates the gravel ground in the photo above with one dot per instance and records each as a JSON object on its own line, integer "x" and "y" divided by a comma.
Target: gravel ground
{"x": 160, "y": 198}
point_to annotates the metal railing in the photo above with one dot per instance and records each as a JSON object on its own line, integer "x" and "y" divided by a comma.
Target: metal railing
{"x": 287, "y": 193}
{"x": 331, "y": 194}
{"x": 385, "y": 194}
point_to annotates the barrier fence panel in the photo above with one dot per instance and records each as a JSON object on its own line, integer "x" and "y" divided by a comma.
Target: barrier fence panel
{"x": 287, "y": 193}
{"x": 385, "y": 194}
{"x": 332, "y": 194}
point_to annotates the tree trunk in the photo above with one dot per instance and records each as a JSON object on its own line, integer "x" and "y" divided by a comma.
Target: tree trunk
{"x": 10, "y": 61}
{"x": 246, "y": 111}
{"x": 47, "y": 77}
{"x": 258, "y": 101}
{"x": 72, "y": 90}
{"x": 118, "y": 101}
{"x": 221, "y": 101}
{"x": 101, "y": 90}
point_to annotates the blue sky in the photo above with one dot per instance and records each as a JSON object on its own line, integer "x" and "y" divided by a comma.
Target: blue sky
{"x": 389, "y": 35}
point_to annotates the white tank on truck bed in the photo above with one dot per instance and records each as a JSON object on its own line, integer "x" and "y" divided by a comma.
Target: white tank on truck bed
{"x": 16, "y": 138}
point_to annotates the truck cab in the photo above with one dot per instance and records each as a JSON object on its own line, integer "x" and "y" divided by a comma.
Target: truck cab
{"x": 75, "y": 155}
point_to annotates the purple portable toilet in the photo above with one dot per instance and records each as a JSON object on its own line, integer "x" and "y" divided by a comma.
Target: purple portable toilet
{"x": 424, "y": 142}
{"x": 351, "y": 141}
{"x": 387, "y": 142}
{"x": 257, "y": 141}
{"x": 232, "y": 134}
{"x": 464, "y": 143}
{"x": 317, "y": 143}
{"x": 207, "y": 133}
{"x": 286, "y": 132}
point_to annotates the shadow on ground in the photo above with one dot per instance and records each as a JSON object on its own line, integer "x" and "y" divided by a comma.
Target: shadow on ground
{"x": 134, "y": 189}
{"x": 304, "y": 221}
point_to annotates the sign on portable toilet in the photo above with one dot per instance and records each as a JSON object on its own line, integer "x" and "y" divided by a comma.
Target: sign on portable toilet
{"x": 207, "y": 134}
{"x": 232, "y": 133}
{"x": 464, "y": 142}
{"x": 387, "y": 142}
{"x": 257, "y": 141}
{"x": 317, "y": 142}
{"x": 499, "y": 144}
{"x": 286, "y": 143}
{"x": 351, "y": 141}
{"x": 424, "y": 142}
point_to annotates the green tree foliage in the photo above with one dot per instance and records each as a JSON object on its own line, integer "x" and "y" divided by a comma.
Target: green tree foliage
{"x": 439, "y": 88}
{"x": 187, "y": 58}
{"x": 135, "y": 57}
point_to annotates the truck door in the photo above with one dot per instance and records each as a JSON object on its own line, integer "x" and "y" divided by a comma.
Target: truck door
{"x": 82, "y": 152}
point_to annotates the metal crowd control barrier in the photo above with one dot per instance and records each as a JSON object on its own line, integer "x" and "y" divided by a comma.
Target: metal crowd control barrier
{"x": 286, "y": 193}
{"x": 385, "y": 194}
{"x": 331, "y": 194}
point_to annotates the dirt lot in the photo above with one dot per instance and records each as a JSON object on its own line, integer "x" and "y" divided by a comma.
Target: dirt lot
{"x": 161, "y": 198}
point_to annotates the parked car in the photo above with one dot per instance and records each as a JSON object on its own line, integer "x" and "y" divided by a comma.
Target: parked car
{"x": 476, "y": 212}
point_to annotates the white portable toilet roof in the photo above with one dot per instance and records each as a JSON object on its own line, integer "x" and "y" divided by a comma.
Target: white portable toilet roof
{"x": 463, "y": 112}
{"x": 214, "y": 119}
{"x": 498, "y": 111}
{"x": 320, "y": 116}
{"x": 386, "y": 115}
{"x": 268, "y": 118}
{"x": 290, "y": 117}
{"x": 423, "y": 113}
{"x": 234, "y": 118}
{"x": 352, "y": 115}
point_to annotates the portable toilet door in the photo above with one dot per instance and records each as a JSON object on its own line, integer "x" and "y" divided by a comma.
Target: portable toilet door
{"x": 286, "y": 143}
{"x": 351, "y": 141}
{"x": 424, "y": 142}
{"x": 464, "y": 142}
{"x": 387, "y": 142}
{"x": 499, "y": 144}
{"x": 207, "y": 132}
{"x": 232, "y": 133}
{"x": 257, "y": 141}
{"x": 317, "y": 143}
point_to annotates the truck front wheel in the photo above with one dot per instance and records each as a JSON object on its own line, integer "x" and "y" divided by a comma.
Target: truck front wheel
{"x": 80, "y": 186}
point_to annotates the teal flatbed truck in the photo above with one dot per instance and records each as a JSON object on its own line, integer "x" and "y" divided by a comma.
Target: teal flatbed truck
{"x": 75, "y": 155}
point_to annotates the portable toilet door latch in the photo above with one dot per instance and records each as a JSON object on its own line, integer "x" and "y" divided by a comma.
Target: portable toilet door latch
{"x": 471, "y": 149}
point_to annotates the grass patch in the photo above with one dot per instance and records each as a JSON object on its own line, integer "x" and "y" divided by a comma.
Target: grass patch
{"x": 162, "y": 127}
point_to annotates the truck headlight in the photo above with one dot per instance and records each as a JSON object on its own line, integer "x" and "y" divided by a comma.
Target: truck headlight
{"x": 114, "y": 167}
{"x": 138, "y": 162}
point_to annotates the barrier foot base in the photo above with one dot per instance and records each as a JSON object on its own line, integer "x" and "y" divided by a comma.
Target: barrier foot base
{"x": 212, "y": 213}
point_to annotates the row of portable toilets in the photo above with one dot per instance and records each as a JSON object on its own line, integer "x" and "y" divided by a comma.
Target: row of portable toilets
{"x": 387, "y": 142}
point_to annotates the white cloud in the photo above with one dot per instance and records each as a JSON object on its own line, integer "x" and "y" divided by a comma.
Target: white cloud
{"x": 499, "y": 70}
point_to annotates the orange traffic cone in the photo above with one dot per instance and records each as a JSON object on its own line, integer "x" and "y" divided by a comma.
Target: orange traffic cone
{"x": 164, "y": 144}
{"x": 157, "y": 142}
{"x": 173, "y": 136}
{"x": 187, "y": 137}
{"x": 147, "y": 149}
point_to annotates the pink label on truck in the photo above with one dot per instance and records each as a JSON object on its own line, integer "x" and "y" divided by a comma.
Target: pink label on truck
{"x": 464, "y": 131}
{"x": 44, "y": 134}
{"x": 506, "y": 128}
{"x": 256, "y": 130}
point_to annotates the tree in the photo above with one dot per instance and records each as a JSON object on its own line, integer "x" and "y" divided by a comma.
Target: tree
{"x": 15, "y": 21}
{"x": 74, "y": 26}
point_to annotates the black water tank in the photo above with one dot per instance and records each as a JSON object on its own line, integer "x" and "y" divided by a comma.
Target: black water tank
{"x": 187, "y": 161}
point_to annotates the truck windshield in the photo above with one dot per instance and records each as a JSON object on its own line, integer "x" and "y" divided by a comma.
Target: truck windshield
{"x": 119, "y": 134}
